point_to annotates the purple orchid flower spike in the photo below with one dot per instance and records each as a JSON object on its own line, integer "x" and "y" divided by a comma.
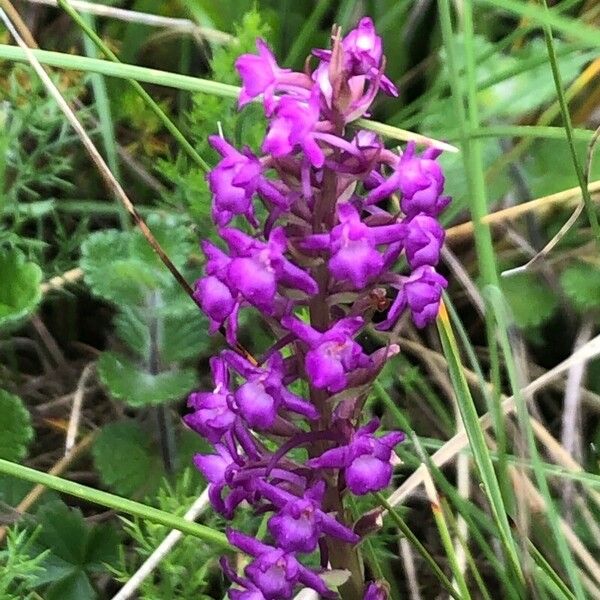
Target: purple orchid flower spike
{"x": 365, "y": 460}
{"x": 333, "y": 354}
{"x": 314, "y": 256}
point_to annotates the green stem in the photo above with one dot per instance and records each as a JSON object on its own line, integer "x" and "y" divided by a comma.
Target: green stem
{"x": 566, "y": 115}
{"x": 152, "y": 104}
{"x": 124, "y": 505}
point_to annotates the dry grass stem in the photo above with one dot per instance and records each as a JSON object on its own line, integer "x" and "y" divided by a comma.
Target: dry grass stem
{"x": 75, "y": 417}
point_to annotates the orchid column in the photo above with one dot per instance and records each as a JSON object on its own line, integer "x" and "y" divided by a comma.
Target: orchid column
{"x": 319, "y": 235}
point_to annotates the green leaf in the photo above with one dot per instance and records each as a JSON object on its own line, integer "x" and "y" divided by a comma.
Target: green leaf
{"x": 20, "y": 291}
{"x": 111, "y": 271}
{"x": 185, "y": 336}
{"x": 17, "y": 432}
{"x": 173, "y": 237}
{"x": 75, "y": 586}
{"x": 121, "y": 267}
{"x": 136, "y": 387}
{"x": 532, "y": 302}
{"x": 140, "y": 472}
{"x": 76, "y": 549}
{"x": 131, "y": 327}
{"x": 581, "y": 283}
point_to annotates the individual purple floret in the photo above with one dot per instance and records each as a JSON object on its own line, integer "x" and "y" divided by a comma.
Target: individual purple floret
{"x": 275, "y": 572}
{"x": 421, "y": 293}
{"x": 423, "y": 241}
{"x": 300, "y": 522}
{"x": 376, "y": 591}
{"x": 365, "y": 460}
{"x": 263, "y": 394}
{"x": 212, "y": 416}
{"x": 331, "y": 355}
{"x": 311, "y": 231}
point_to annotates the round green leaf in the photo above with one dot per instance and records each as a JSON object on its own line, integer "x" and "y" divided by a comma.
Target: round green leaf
{"x": 17, "y": 432}
{"x": 581, "y": 283}
{"x": 20, "y": 291}
{"x": 532, "y": 302}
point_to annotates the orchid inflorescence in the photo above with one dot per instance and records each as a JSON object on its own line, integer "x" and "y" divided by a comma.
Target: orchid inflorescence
{"x": 337, "y": 210}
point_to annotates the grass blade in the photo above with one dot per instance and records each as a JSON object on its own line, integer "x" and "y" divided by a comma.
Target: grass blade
{"x": 114, "y": 502}
{"x": 500, "y": 310}
{"x": 481, "y": 452}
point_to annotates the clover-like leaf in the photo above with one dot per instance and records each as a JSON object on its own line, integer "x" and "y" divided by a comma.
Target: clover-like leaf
{"x": 17, "y": 432}
{"x": 137, "y": 387}
{"x": 531, "y": 300}
{"x": 75, "y": 551}
{"x": 581, "y": 283}
{"x": 20, "y": 290}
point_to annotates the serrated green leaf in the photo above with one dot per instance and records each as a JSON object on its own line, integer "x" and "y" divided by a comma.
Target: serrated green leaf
{"x": 132, "y": 328}
{"x": 20, "y": 290}
{"x": 140, "y": 472}
{"x": 17, "y": 432}
{"x": 185, "y": 336}
{"x": 173, "y": 237}
{"x": 581, "y": 283}
{"x": 111, "y": 271}
{"x": 532, "y": 302}
{"x": 136, "y": 387}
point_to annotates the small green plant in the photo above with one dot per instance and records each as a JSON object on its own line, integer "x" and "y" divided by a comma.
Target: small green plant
{"x": 20, "y": 566}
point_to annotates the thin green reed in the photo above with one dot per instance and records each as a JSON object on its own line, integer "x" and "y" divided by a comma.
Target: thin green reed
{"x": 477, "y": 443}
{"x": 417, "y": 545}
{"x": 152, "y": 104}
